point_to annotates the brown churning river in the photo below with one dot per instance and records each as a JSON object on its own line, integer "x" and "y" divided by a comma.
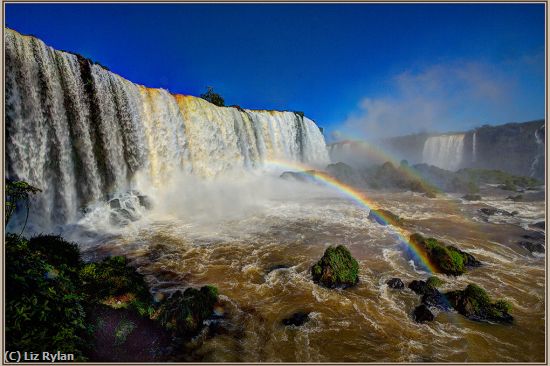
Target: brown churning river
{"x": 367, "y": 323}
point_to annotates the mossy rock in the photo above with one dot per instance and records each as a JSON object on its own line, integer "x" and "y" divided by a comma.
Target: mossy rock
{"x": 472, "y": 197}
{"x": 183, "y": 313}
{"x": 447, "y": 259}
{"x": 434, "y": 282}
{"x": 337, "y": 268}
{"x": 474, "y": 303}
{"x": 385, "y": 217}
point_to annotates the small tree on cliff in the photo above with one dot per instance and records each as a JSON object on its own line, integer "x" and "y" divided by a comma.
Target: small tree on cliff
{"x": 213, "y": 97}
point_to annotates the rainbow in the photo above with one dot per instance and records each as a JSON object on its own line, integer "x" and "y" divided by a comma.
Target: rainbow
{"x": 360, "y": 199}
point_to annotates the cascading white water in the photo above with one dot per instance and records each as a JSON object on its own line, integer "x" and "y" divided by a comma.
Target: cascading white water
{"x": 444, "y": 151}
{"x": 81, "y": 133}
{"x": 536, "y": 168}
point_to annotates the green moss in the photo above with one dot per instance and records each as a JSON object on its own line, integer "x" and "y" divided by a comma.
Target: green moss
{"x": 185, "y": 312}
{"x": 123, "y": 330}
{"x": 337, "y": 267}
{"x": 474, "y": 303}
{"x": 434, "y": 281}
{"x": 447, "y": 259}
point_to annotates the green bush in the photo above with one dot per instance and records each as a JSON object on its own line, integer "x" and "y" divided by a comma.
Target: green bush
{"x": 434, "y": 281}
{"x": 44, "y": 310}
{"x": 213, "y": 97}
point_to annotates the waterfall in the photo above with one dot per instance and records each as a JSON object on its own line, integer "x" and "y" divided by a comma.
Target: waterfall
{"x": 537, "y": 166}
{"x": 81, "y": 133}
{"x": 444, "y": 151}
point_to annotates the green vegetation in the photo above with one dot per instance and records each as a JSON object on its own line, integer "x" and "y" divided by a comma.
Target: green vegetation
{"x": 336, "y": 268}
{"x": 183, "y": 313}
{"x": 44, "y": 304}
{"x": 434, "y": 282}
{"x": 507, "y": 181}
{"x": 123, "y": 329}
{"x": 52, "y": 295}
{"x": 17, "y": 191}
{"x": 474, "y": 303}
{"x": 447, "y": 259}
{"x": 213, "y": 97}
{"x": 403, "y": 177}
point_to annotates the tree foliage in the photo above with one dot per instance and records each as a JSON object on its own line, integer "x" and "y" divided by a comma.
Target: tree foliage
{"x": 213, "y": 97}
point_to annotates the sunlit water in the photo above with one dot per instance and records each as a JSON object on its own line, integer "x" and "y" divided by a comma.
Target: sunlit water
{"x": 234, "y": 247}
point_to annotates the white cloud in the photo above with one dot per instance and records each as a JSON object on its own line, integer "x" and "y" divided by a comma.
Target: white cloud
{"x": 440, "y": 97}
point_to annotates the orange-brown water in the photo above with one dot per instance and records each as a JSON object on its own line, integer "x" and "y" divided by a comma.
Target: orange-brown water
{"x": 369, "y": 322}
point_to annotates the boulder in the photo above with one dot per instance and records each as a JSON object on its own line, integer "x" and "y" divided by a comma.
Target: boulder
{"x": 472, "y": 197}
{"x": 419, "y": 287}
{"x": 422, "y": 314}
{"x": 395, "y": 283}
{"x": 145, "y": 202}
{"x": 184, "y": 312}
{"x": 297, "y": 319}
{"x": 276, "y": 267}
{"x": 432, "y": 297}
{"x": 434, "y": 281}
{"x": 475, "y": 304}
{"x": 532, "y": 247}
{"x": 515, "y": 198}
{"x": 538, "y": 225}
{"x": 446, "y": 259}
{"x": 385, "y": 217}
{"x": 337, "y": 268}
{"x": 490, "y": 211}
{"x": 306, "y": 177}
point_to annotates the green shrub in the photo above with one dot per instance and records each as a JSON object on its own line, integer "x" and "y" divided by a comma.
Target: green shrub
{"x": 112, "y": 277}
{"x": 213, "y": 97}
{"x": 44, "y": 310}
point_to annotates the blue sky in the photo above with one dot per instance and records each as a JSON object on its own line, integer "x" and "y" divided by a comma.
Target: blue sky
{"x": 358, "y": 70}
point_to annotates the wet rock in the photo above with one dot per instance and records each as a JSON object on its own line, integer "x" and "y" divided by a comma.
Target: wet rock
{"x": 490, "y": 211}
{"x": 472, "y": 197}
{"x": 297, "y": 319}
{"x": 446, "y": 259}
{"x": 532, "y": 247}
{"x": 419, "y": 287}
{"x": 337, "y": 268}
{"x": 432, "y": 297}
{"x": 395, "y": 283}
{"x": 475, "y": 304}
{"x": 434, "y": 281}
{"x": 307, "y": 176}
{"x": 276, "y": 267}
{"x": 538, "y": 225}
{"x": 422, "y": 314}
{"x": 145, "y": 202}
{"x": 535, "y": 235}
{"x": 184, "y": 312}
{"x": 515, "y": 198}
{"x": 385, "y": 217}
{"x": 430, "y": 194}
{"x": 115, "y": 203}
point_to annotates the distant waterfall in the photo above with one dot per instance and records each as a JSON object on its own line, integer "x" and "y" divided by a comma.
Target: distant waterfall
{"x": 80, "y": 132}
{"x": 444, "y": 151}
{"x": 537, "y": 167}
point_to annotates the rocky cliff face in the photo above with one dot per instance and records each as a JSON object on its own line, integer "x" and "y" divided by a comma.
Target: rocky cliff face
{"x": 517, "y": 148}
